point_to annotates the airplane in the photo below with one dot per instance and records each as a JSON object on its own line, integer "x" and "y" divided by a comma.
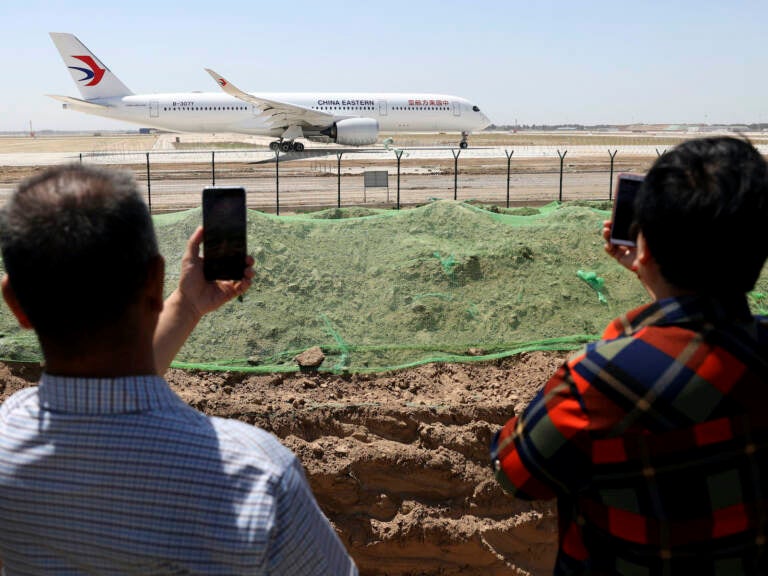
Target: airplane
{"x": 351, "y": 119}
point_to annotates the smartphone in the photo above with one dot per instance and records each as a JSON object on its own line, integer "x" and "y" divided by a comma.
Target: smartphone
{"x": 224, "y": 232}
{"x": 623, "y": 216}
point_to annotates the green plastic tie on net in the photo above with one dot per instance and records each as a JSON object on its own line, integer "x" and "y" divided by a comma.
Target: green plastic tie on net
{"x": 595, "y": 282}
{"x": 447, "y": 263}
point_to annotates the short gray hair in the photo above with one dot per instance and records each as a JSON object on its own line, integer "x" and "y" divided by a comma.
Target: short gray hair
{"x": 76, "y": 244}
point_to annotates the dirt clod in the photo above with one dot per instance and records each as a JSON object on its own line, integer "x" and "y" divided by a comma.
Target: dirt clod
{"x": 311, "y": 358}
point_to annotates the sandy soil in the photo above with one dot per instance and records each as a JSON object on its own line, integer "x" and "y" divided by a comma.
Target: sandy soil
{"x": 398, "y": 461}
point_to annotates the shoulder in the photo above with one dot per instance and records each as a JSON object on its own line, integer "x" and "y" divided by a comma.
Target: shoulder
{"x": 24, "y": 397}
{"x": 240, "y": 440}
{"x": 642, "y": 355}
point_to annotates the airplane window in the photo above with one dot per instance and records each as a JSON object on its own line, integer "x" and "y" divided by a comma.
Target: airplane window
{"x": 475, "y": 108}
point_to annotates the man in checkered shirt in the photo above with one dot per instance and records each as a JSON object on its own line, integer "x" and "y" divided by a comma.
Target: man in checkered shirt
{"x": 654, "y": 440}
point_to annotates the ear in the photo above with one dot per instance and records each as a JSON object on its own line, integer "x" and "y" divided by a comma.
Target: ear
{"x": 13, "y": 303}
{"x": 155, "y": 282}
{"x": 644, "y": 255}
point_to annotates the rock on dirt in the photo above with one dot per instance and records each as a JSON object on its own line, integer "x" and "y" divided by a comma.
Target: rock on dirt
{"x": 310, "y": 359}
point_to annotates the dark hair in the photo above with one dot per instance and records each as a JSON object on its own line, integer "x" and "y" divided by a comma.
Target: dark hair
{"x": 702, "y": 209}
{"x": 76, "y": 242}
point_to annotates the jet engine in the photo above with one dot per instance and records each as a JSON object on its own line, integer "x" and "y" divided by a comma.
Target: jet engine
{"x": 353, "y": 131}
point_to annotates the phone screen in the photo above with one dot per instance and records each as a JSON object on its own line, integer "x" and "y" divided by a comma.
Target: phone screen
{"x": 624, "y": 209}
{"x": 224, "y": 233}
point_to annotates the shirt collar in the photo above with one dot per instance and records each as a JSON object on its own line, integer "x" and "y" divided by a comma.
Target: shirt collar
{"x": 683, "y": 310}
{"x": 92, "y": 396}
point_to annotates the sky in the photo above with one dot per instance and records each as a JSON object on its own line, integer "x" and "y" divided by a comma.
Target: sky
{"x": 523, "y": 62}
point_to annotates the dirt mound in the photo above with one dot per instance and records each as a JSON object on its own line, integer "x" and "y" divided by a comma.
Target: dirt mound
{"x": 398, "y": 461}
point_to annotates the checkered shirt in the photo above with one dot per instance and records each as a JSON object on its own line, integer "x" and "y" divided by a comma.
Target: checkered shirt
{"x": 120, "y": 476}
{"x": 654, "y": 441}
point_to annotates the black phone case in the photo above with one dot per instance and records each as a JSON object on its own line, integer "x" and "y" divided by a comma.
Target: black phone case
{"x": 224, "y": 233}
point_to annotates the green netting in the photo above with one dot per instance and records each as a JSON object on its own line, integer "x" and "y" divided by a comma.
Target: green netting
{"x": 383, "y": 289}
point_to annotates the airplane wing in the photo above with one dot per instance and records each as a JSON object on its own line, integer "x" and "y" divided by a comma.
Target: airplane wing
{"x": 77, "y": 103}
{"x": 279, "y": 114}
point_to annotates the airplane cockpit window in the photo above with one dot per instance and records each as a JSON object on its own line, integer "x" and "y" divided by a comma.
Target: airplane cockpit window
{"x": 475, "y": 108}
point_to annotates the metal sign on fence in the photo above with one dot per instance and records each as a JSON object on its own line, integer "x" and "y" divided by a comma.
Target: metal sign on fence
{"x": 375, "y": 179}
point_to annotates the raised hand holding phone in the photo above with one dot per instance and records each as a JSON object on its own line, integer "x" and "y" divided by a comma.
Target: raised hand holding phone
{"x": 622, "y": 232}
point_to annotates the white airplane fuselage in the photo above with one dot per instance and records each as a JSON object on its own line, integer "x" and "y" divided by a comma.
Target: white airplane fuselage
{"x": 219, "y": 112}
{"x": 351, "y": 119}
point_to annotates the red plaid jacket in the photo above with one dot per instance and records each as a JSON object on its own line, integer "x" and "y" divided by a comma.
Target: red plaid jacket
{"x": 654, "y": 440}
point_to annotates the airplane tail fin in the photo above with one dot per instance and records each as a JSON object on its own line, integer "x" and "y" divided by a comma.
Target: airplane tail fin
{"x": 93, "y": 79}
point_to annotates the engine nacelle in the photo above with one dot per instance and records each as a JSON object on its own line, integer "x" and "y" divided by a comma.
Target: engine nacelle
{"x": 353, "y": 131}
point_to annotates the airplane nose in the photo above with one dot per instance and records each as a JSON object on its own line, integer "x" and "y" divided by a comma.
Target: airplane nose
{"x": 484, "y": 121}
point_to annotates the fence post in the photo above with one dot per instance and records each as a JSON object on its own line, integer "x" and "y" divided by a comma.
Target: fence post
{"x": 660, "y": 153}
{"x": 213, "y": 167}
{"x": 81, "y": 157}
{"x": 149, "y": 187}
{"x": 509, "y": 162}
{"x": 277, "y": 182}
{"x": 562, "y": 157}
{"x": 399, "y": 154}
{"x": 610, "y": 180}
{"x": 456, "y": 155}
{"x": 338, "y": 177}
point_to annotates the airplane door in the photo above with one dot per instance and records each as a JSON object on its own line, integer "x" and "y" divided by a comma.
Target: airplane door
{"x": 154, "y": 109}
{"x": 457, "y": 108}
{"x": 382, "y": 107}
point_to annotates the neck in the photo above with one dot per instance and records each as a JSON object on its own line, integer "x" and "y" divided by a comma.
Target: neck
{"x": 100, "y": 360}
{"x": 663, "y": 289}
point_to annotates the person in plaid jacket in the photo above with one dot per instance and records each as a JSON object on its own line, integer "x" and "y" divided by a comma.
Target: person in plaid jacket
{"x": 654, "y": 440}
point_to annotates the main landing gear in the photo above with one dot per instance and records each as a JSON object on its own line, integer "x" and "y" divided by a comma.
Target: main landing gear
{"x": 286, "y": 146}
{"x": 464, "y": 144}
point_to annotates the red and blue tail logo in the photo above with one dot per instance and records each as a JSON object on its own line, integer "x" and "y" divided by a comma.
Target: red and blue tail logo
{"x": 93, "y": 74}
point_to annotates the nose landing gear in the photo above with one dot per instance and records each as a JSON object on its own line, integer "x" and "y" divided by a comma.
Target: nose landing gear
{"x": 464, "y": 144}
